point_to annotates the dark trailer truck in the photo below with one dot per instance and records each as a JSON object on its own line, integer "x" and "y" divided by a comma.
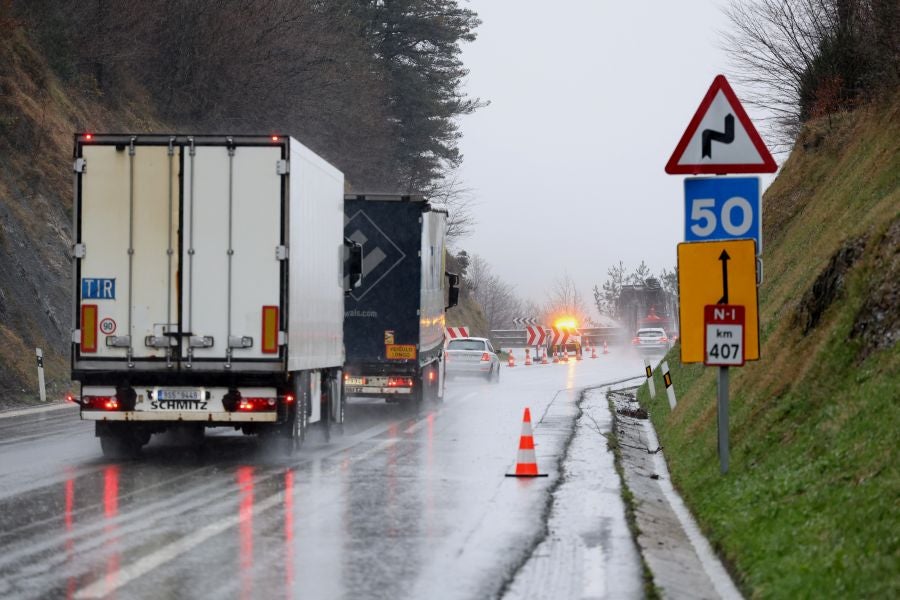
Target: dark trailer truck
{"x": 394, "y": 321}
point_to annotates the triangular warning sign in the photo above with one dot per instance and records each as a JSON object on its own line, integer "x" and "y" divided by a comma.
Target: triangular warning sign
{"x": 720, "y": 138}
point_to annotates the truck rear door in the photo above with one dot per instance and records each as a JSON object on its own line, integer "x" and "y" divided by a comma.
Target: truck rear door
{"x": 231, "y": 255}
{"x": 127, "y": 261}
{"x": 179, "y": 253}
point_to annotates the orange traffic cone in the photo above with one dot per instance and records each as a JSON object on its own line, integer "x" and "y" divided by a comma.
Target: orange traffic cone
{"x": 527, "y": 357}
{"x": 544, "y": 360}
{"x": 578, "y": 354}
{"x": 526, "y": 462}
{"x": 512, "y": 359}
{"x": 594, "y": 352}
{"x": 564, "y": 356}
{"x": 605, "y": 347}
{"x": 555, "y": 357}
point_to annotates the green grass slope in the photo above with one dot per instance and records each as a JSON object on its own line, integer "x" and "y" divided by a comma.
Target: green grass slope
{"x": 811, "y": 505}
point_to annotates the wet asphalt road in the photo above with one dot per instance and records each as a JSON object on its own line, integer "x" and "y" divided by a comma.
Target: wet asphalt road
{"x": 399, "y": 506}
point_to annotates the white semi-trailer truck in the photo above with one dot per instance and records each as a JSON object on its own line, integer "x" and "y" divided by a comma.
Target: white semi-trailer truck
{"x": 208, "y": 287}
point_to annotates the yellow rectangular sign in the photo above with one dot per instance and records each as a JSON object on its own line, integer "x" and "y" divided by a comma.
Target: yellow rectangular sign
{"x": 401, "y": 351}
{"x": 722, "y": 272}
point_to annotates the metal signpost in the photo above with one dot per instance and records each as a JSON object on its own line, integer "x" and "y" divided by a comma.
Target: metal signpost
{"x": 719, "y": 315}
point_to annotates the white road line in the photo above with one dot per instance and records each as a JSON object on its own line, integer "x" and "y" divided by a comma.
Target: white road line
{"x": 103, "y": 587}
{"x": 33, "y": 410}
{"x": 711, "y": 564}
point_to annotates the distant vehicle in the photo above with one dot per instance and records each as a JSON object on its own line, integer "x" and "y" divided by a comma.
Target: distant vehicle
{"x": 651, "y": 339}
{"x": 472, "y": 356}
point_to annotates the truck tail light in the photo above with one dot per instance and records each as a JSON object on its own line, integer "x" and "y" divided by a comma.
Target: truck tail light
{"x": 89, "y": 328}
{"x": 100, "y": 403}
{"x": 400, "y": 382}
{"x": 289, "y": 399}
{"x": 256, "y": 404}
{"x": 269, "y": 329}
{"x": 485, "y": 357}
{"x": 88, "y": 137}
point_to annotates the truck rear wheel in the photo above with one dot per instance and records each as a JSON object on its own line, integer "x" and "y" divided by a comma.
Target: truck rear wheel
{"x": 286, "y": 438}
{"x": 120, "y": 445}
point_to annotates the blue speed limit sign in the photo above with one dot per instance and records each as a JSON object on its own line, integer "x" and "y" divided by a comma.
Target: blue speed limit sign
{"x": 722, "y": 208}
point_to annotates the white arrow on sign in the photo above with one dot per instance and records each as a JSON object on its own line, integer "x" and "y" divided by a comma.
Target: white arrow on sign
{"x": 560, "y": 336}
{"x": 720, "y": 138}
{"x": 536, "y": 335}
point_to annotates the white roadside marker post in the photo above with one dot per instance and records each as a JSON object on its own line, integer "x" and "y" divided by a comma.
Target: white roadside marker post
{"x": 650, "y": 383}
{"x": 670, "y": 389}
{"x": 40, "y": 366}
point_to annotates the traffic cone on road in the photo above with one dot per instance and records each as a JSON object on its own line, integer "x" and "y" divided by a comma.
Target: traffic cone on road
{"x": 563, "y": 356}
{"x": 526, "y": 462}
{"x": 527, "y": 357}
{"x": 512, "y": 359}
{"x": 594, "y": 352}
{"x": 556, "y": 357}
{"x": 605, "y": 347}
{"x": 578, "y": 354}
{"x": 544, "y": 360}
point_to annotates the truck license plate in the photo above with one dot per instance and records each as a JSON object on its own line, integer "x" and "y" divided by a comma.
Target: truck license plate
{"x": 356, "y": 381}
{"x": 179, "y": 395}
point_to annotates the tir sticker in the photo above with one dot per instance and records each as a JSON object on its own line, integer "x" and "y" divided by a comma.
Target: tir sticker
{"x": 98, "y": 289}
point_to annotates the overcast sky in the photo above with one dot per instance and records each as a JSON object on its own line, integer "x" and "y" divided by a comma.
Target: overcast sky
{"x": 588, "y": 100}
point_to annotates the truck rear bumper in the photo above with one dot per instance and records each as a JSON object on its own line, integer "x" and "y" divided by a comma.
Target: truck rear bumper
{"x": 222, "y": 418}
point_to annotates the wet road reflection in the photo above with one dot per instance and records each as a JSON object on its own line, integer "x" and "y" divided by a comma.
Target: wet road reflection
{"x": 380, "y": 512}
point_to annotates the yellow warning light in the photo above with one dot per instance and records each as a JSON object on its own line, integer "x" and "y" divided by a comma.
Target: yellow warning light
{"x": 569, "y": 322}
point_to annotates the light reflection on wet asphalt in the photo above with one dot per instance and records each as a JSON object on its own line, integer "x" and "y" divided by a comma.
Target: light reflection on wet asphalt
{"x": 397, "y": 507}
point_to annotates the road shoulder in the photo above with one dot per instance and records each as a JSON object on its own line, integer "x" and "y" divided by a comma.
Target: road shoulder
{"x": 680, "y": 559}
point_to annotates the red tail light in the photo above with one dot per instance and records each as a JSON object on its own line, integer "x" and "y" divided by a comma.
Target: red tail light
{"x": 400, "y": 382}
{"x": 431, "y": 375}
{"x": 289, "y": 399}
{"x": 88, "y": 137}
{"x": 256, "y": 404}
{"x": 664, "y": 339}
{"x": 635, "y": 340}
{"x": 485, "y": 357}
{"x": 100, "y": 403}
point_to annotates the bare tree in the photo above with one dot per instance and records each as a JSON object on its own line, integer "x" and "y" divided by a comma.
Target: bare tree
{"x": 458, "y": 199}
{"x": 496, "y": 298}
{"x": 566, "y": 301}
{"x": 639, "y": 275}
{"x": 807, "y": 58}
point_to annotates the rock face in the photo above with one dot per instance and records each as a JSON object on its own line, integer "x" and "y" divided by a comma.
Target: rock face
{"x": 34, "y": 285}
{"x": 878, "y": 321}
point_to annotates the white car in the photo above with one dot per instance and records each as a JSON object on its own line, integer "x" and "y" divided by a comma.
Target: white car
{"x": 472, "y": 356}
{"x": 651, "y": 339}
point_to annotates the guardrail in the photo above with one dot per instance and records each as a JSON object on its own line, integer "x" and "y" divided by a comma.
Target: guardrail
{"x": 518, "y": 338}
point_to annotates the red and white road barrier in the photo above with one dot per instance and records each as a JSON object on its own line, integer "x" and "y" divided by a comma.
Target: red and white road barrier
{"x": 457, "y": 332}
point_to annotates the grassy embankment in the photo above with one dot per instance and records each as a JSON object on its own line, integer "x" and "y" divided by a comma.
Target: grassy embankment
{"x": 809, "y": 508}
